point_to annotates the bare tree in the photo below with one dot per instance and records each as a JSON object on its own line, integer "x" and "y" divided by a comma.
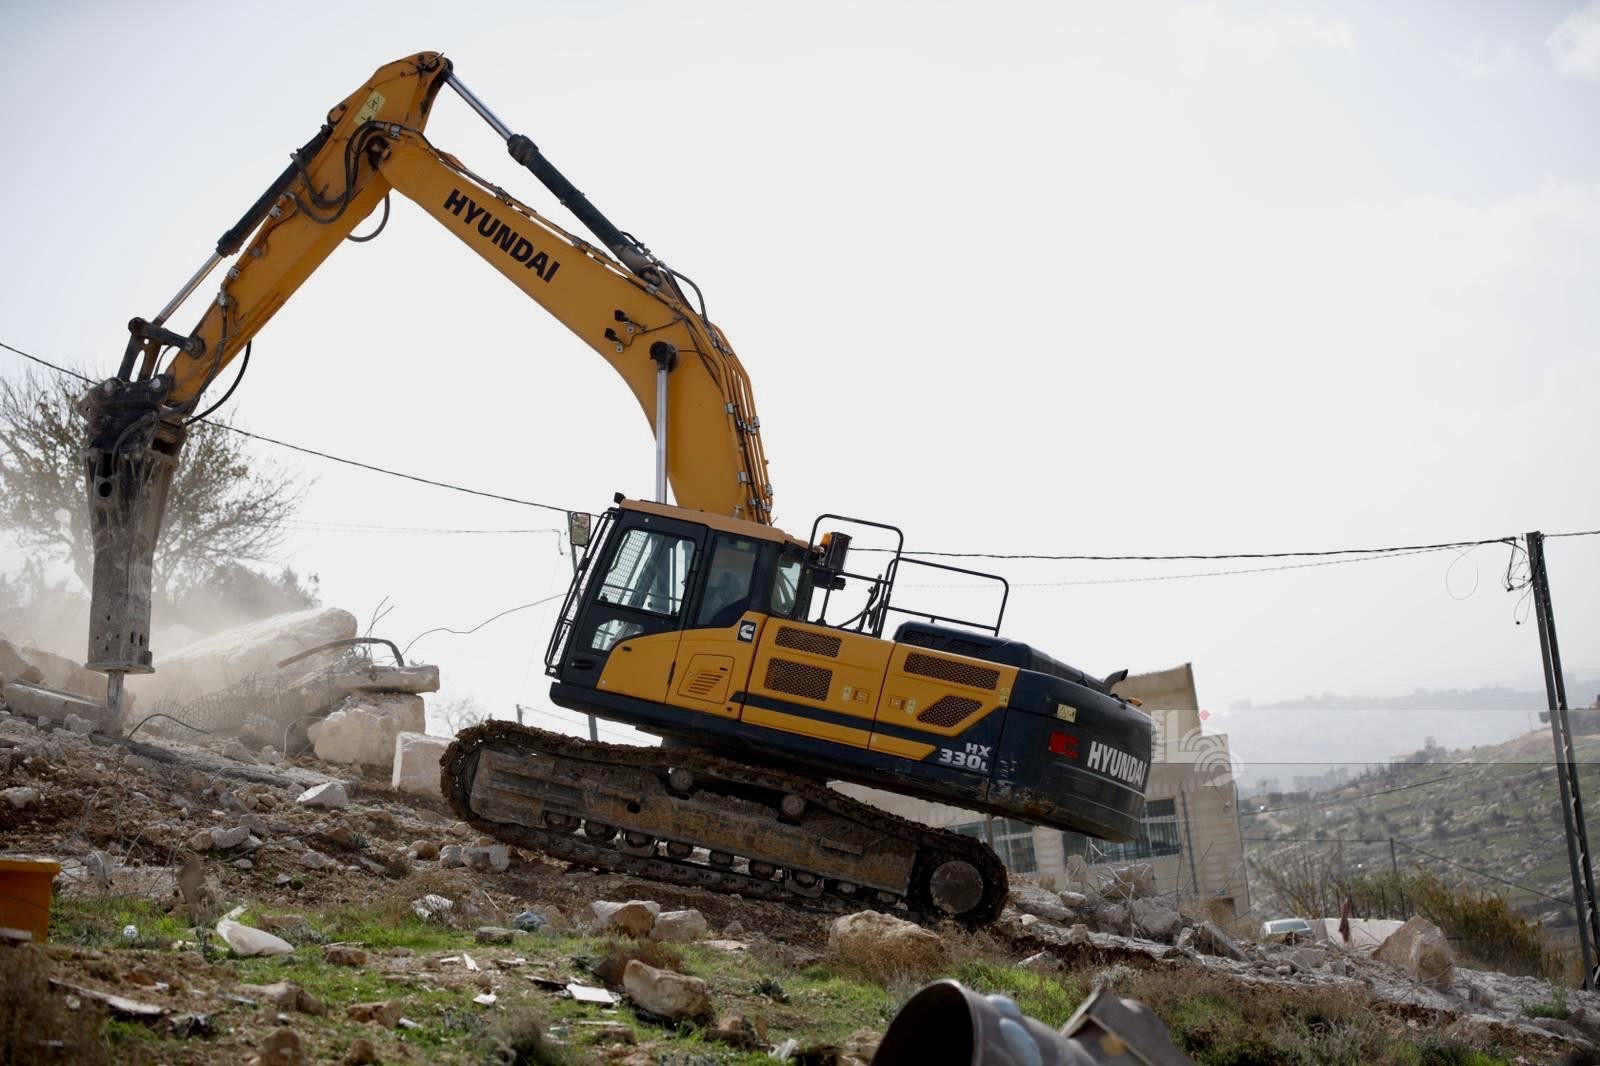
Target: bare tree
{"x": 225, "y": 506}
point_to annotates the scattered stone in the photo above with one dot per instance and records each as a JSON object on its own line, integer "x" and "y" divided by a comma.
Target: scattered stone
{"x": 285, "y": 994}
{"x": 872, "y": 940}
{"x": 201, "y": 841}
{"x": 1212, "y": 940}
{"x": 1477, "y": 992}
{"x": 1420, "y": 949}
{"x": 21, "y": 797}
{"x": 485, "y": 999}
{"x": 494, "y": 856}
{"x": 330, "y": 795}
{"x": 1041, "y": 962}
{"x": 678, "y": 926}
{"x": 732, "y": 929}
{"x": 494, "y": 934}
{"x": 80, "y": 726}
{"x": 633, "y": 918}
{"x": 733, "y": 1029}
{"x": 386, "y": 1014}
{"x": 338, "y": 955}
{"x": 451, "y": 856}
{"x": 479, "y": 906}
{"x": 423, "y": 849}
{"x": 1307, "y": 957}
{"x": 529, "y": 922}
{"x": 1154, "y": 920}
{"x": 665, "y": 994}
{"x": 361, "y": 1052}
{"x": 1079, "y": 935}
{"x": 1074, "y": 901}
{"x": 1112, "y": 916}
{"x": 1185, "y": 941}
{"x": 223, "y": 839}
{"x": 433, "y": 908}
{"x": 281, "y": 1048}
{"x": 315, "y": 860}
{"x": 1031, "y": 899}
{"x": 256, "y": 824}
{"x": 234, "y": 749}
{"x": 243, "y": 864}
{"x": 364, "y": 728}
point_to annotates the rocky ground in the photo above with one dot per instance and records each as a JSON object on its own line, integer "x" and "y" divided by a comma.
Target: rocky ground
{"x": 404, "y": 936}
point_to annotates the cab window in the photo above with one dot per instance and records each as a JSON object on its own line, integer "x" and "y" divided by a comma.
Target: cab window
{"x": 649, "y": 572}
{"x": 728, "y": 579}
{"x": 788, "y": 587}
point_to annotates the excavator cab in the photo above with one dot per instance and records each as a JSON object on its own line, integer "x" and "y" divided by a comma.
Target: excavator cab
{"x": 729, "y": 636}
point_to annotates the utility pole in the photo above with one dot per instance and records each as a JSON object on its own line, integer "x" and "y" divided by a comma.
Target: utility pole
{"x": 1394, "y": 868}
{"x": 1555, "y": 685}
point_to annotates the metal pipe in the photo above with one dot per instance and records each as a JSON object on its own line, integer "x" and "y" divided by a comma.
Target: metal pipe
{"x": 479, "y": 106}
{"x": 188, "y": 287}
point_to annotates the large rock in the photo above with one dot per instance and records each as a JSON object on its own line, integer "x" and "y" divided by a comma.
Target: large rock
{"x": 1155, "y": 920}
{"x": 634, "y": 918}
{"x": 664, "y": 993}
{"x": 218, "y": 661}
{"x": 883, "y": 944}
{"x": 416, "y": 763}
{"x": 678, "y": 926}
{"x": 1420, "y": 949}
{"x": 364, "y": 728}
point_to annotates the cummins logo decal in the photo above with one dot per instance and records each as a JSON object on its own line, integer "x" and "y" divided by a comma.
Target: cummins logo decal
{"x": 1117, "y": 764}
{"x": 509, "y": 241}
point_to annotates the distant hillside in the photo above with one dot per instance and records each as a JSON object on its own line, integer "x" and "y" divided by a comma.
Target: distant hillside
{"x": 1488, "y": 816}
{"x": 1581, "y": 692}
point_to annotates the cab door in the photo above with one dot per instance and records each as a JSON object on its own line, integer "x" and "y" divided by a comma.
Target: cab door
{"x": 729, "y": 612}
{"x": 625, "y": 640}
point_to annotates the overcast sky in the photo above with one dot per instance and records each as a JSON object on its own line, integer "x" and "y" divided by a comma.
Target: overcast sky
{"x": 1017, "y": 277}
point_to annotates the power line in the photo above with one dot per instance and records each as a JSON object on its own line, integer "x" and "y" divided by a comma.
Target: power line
{"x": 1384, "y": 552}
{"x": 321, "y": 454}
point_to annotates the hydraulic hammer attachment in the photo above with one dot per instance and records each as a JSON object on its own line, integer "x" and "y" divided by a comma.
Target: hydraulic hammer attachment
{"x": 130, "y": 458}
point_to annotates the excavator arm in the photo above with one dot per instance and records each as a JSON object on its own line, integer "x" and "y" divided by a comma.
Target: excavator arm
{"x": 619, "y": 299}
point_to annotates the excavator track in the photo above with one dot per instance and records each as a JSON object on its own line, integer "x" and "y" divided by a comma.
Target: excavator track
{"x": 685, "y": 817}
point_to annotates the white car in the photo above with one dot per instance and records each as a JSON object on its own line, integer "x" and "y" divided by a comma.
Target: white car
{"x": 1288, "y": 930}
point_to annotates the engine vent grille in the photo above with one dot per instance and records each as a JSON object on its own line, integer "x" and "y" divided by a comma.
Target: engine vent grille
{"x": 799, "y": 679}
{"x": 704, "y": 682}
{"x": 969, "y": 674}
{"x": 946, "y": 711}
{"x": 807, "y": 641}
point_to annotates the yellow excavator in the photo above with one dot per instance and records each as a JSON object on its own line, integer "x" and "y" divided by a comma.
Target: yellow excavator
{"x": 702, "y": 622}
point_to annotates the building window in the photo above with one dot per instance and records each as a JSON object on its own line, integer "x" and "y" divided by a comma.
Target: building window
{"x": 1158, "y": 836}
{"x": 1013, "y": 842}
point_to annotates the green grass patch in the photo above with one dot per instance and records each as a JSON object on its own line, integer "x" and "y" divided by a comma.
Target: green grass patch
{"x": 98, "y": 923}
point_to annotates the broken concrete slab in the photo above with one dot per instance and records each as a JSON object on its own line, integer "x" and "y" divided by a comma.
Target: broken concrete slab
{"x": 58, "y": 706}
{"x": 363, "y": 728}
{"x": 416, "y": 763}
{"x": 330, "y": 794}
{"x": 212, "y": 664}
{"x": 373, "y": 677}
